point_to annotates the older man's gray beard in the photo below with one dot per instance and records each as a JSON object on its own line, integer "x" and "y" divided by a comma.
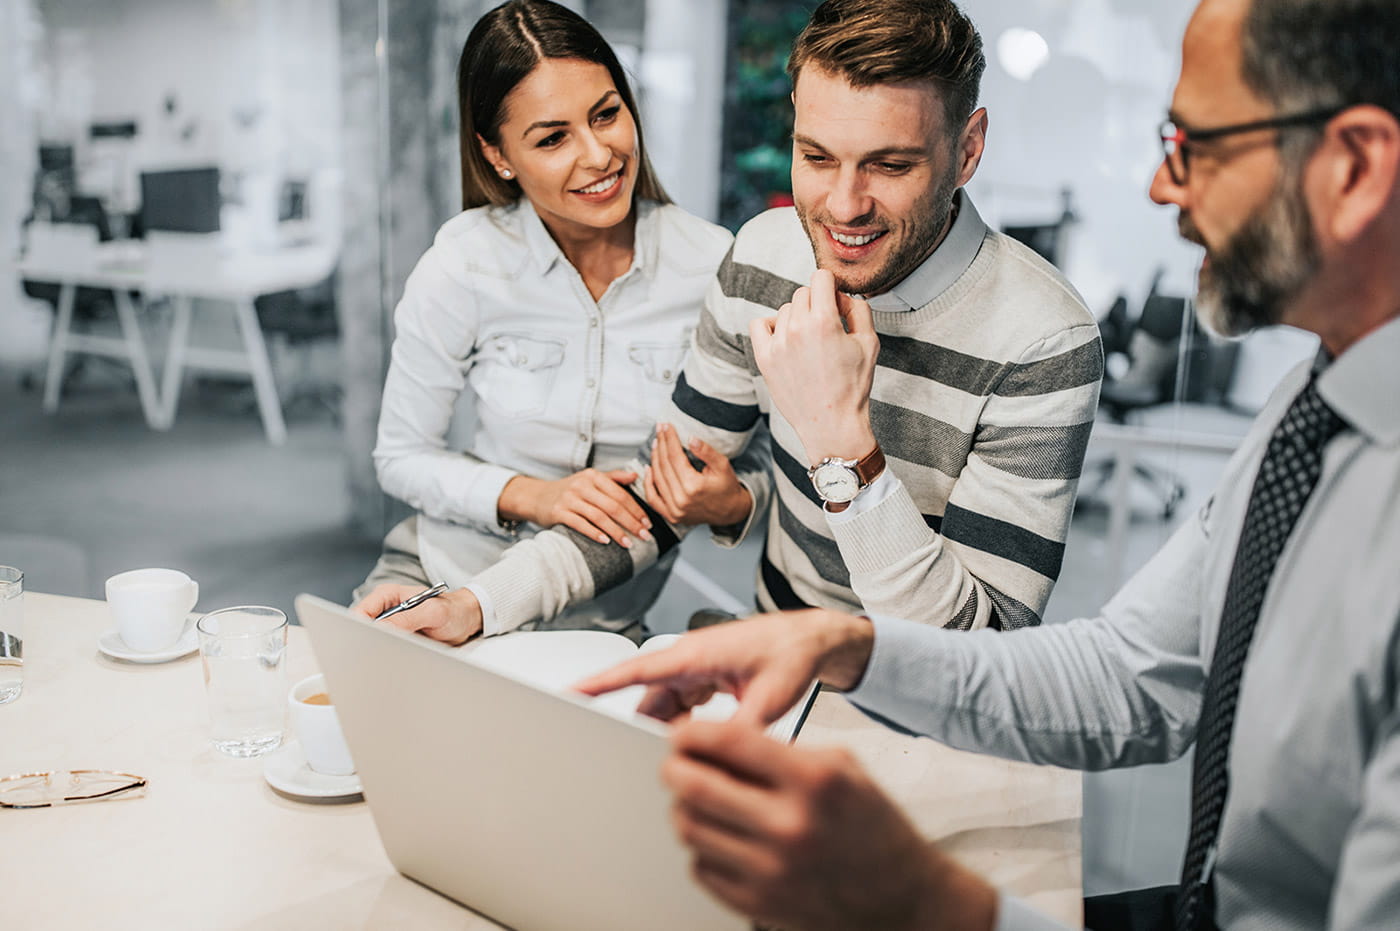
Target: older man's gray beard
{"x": 1253, "y": 277}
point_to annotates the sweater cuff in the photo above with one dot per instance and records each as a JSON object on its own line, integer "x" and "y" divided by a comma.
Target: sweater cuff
{"x": 503, "y": 609}
{"x": 881, "y": 534}
{"x": 734, "y": 534}
{"x": 489, "y": 625}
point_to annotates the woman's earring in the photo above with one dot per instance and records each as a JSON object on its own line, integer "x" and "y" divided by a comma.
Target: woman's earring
{"x": 507, "y": 173}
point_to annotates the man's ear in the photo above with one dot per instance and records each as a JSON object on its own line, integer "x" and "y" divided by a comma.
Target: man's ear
{"x": 1353, "y": 174}
{"x": 492, "y": 154}
{"x": 972, "y": 142}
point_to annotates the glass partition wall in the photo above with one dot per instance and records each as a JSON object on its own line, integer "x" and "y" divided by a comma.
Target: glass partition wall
{"x": 175, "y": 234}
{"x": 1076, "y": 92}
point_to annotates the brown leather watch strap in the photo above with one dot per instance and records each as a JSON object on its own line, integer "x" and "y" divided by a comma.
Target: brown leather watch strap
{"x": 869, "y": 467}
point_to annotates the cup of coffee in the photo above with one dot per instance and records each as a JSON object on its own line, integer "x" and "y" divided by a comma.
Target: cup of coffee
{"x": 151, "y": 606}
{"x": 318, "y": 728}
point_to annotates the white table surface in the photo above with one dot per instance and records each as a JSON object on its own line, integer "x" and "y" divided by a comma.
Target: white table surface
{"x": 211, "y": 845}
{"x": 183, "y": 268}
{"x": 200, "y": 272}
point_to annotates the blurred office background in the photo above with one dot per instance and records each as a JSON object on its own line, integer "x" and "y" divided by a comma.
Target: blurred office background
{"x": 208, "y": 209}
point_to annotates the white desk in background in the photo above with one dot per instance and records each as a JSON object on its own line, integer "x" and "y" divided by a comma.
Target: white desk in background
{"x": 182, "y": 269}
{"x": 68, "y": 273}
{"x": 212, "y": 846}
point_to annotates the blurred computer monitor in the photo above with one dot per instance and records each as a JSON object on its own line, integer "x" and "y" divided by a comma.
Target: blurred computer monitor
{"x": 55, "y": 157}
{"x": 184, "y": 200}
{"x": 113, "y": 129}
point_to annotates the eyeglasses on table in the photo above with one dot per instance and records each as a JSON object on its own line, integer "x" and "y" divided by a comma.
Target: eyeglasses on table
{"x": 65, "y": 787}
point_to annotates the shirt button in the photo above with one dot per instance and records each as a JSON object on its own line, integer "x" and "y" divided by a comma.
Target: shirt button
{"x": 590, "y": 383}
{"x": 583, "y": 437}
{"x": 593, "y": 322}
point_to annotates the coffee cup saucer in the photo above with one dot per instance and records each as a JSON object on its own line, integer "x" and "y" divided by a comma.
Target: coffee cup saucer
{"x": 112, "y": 644}
{"x": 286, "y": 770}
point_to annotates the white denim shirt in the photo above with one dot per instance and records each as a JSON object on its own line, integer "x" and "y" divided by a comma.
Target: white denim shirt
{"x": 495, "y": 316}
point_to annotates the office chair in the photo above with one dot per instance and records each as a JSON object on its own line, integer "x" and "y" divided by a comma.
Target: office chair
{"x": 1048, "y": 239}
{"x": 1153, "y": 347}
{"x": 293, "y": 321}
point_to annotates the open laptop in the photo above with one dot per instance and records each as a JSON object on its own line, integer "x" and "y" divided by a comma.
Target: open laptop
{"x": 528, "y": 806}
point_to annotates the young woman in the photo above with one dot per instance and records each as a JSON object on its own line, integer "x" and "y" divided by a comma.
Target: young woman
{"x": 558, "y": 305}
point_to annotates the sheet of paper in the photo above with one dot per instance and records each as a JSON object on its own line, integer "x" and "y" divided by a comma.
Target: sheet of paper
{"x": 555, "y": 659}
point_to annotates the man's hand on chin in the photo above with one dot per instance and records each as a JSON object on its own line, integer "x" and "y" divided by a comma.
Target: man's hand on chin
{"x": 817, "y": 356}
{"x": 453, "y": 617}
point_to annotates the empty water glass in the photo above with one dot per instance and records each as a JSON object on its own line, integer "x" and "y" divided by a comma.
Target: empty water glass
{"x": 243, "y": 650}
{"x": 11, "y": 633}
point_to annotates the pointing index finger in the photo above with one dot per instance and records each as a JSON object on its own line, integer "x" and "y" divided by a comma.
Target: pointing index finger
{"x": 641, "y": 670}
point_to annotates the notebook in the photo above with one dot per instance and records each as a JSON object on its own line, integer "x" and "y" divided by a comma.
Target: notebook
{"x": 492, "y": 784}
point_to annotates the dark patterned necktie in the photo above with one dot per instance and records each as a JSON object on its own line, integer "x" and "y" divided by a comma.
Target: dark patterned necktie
{"x": 1287, "y": 475}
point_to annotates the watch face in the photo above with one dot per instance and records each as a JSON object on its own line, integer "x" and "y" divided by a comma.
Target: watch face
{"x": 835, "y": 483}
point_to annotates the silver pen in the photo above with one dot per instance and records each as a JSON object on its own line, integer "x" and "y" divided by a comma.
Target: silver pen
{"x": 415, "y": 600}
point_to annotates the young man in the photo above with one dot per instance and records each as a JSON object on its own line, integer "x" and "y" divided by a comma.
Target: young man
{"x": 971, "y": 367}
{"x": 1267, "y": 631}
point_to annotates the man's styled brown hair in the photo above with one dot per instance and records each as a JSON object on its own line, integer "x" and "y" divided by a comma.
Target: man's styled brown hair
{"x": 871, "y": 42}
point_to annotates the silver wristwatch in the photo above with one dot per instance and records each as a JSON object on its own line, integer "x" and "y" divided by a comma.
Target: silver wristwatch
{"x": 838, "y": 481}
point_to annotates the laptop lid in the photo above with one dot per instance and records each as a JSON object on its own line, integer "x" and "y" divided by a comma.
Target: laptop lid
{"x": 527, "y": 806}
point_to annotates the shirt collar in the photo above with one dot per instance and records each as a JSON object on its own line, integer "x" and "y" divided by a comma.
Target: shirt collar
{"x": 545, "y": 251}
{"x": 943, "y": 266}
{"x": 1363, "y": 383}
{"x": 542, "y": 246}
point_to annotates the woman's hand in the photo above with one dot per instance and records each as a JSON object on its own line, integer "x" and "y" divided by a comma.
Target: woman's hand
{"x": 685, "y": 495}
{"x": 453, "y": 617}
{"x": 596, "y": 504}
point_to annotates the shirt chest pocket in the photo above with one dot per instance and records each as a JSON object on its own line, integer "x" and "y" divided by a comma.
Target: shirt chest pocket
{"x": 514, "y": 373}
{"x": 655, "y": 366}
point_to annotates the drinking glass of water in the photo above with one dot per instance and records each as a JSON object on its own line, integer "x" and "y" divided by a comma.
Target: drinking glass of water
{"x": 11, "y": 633}
{"x": 243, "y": 650}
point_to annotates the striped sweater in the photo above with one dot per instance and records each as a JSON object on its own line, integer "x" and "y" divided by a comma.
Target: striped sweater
{"x": 984, "y": 394}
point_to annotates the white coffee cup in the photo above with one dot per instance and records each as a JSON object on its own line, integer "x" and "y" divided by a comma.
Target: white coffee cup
{"x": 318, "y": 729}
{"x": 151, "y": 606}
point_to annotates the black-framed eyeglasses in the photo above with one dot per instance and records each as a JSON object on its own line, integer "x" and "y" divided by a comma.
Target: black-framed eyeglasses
{"x": 1177, "y": 142}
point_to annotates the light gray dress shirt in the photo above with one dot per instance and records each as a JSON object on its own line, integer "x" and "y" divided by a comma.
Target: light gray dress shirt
{"x": 1311, "y": 830}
